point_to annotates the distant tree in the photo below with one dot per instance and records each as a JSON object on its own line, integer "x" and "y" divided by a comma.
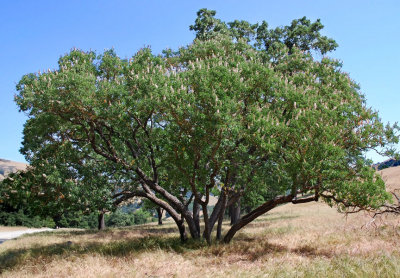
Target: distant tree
{"x": 151, "y": 207}
{"x": 52, "y": 192}
{"x": 240, "y": 104}
{"x": 59, "y": 180}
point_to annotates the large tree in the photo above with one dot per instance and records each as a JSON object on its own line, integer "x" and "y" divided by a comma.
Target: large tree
{"x": 242, "y": 110}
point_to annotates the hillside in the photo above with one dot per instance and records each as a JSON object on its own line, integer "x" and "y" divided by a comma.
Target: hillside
{"x": 391, "y": 176}
{"x": 8, "y": 166}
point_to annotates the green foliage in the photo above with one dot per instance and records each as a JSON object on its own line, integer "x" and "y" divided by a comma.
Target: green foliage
{"x": 76, "y": 219}
{"x": 19, "y": 218}
{"x": 55, "y": 192}
{"x": 242, "y": 110}
{"x": 121, "y": 219}
{"x": 141, "y": 216}
{"x": 301, "y": 33}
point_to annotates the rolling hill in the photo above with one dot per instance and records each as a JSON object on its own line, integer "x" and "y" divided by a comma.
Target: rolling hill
{"x": 391, "y": 176}
{"x": 8, "y": 166}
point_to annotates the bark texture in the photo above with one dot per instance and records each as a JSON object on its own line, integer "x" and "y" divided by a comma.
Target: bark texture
{"x": 101, "y": 223}
{"x": 159, "y": 215}
{"x": 234, "y": 212}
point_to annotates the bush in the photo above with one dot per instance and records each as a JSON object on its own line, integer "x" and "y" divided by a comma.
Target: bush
{"x": 19, "y": 218}
{"x": 122, "y": 219}
{"x": 78, "y": 220}
{"x": 141, "y": 216}
{"x": 119, "y": 219}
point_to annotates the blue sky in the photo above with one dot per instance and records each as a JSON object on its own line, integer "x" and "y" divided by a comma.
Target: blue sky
{"x": 34, "y": 34}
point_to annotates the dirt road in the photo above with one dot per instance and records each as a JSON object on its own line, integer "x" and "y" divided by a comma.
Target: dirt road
{"x": 14, "y": 234}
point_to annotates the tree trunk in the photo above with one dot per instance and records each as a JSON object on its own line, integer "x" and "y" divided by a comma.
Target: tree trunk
{"x": 159, "y": 215}
{"x": 234, "y": 212}
{"x": 207, "y": 233}
{"x": 182, "y": 231}
{"x": 101, "y": 224}
{"x": 215, "y": 213}
{"x": 221, "y": 217}
{"x": 175, "y": 209}
{"x": 196, "y": 215}
{"x": 173, "y": 213}
{"x": 267, "y": 206}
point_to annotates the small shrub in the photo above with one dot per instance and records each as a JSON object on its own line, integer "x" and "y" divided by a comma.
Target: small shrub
{"x": 141, "y": 216}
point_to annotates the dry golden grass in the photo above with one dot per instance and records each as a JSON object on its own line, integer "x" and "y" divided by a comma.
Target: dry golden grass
{"x": 391, "y": 176}
{"x": 307, "y": 240}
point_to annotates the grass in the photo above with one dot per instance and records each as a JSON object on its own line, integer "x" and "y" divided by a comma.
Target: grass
{"x": 307, "y": 240}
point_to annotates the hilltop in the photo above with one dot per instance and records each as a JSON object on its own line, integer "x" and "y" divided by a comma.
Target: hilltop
{"x": 387, "y": 164}
{"x": 8, "y": 166}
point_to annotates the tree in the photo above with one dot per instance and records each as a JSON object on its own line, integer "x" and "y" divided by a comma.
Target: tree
{"x": 231, "y": 115}
{"x": 149, "y": 206}
{"x": 59, "y": 181}
{"x": 50, "y": 191}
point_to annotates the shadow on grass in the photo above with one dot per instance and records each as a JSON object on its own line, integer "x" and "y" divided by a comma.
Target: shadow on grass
{"x": 245, "y": 246}
{"x": 114, "y": 232}
{"x": 253, "y": 248}
{"x": 274, "y": 217}
{"x": 15, "y": 257}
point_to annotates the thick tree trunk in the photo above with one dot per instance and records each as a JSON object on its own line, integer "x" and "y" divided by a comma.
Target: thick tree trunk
{"x": 215, "y": 213}
{"x": 267, "y": 206}
{"x": 159, "y": 215}
{"x": 221, "y": 218}
{"x": 101, "y": 224}
{"x": 234, "y": 212}
{"x": 207, "y": 233}
{"x": 182, "y": 231}
{"x": 188, "y": 216}
{"x": 175, "y": 209}
{"x": 172, "y": 206}
{"x": 174, "y": 214}
{"x": 196, "y": 215}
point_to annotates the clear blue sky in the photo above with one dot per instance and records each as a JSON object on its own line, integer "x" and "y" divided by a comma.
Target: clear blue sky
{"x": 34, "y": 34}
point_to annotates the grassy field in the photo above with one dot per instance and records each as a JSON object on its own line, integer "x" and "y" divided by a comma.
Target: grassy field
{"x": 307, "y": 240}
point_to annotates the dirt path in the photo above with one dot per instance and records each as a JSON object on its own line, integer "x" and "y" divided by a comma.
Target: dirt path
{"x": 14, "y": 234}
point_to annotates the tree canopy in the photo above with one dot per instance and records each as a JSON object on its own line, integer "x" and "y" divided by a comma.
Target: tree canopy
{"x": 243, "y": 110}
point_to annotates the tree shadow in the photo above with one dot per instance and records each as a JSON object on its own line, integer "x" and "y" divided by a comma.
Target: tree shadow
{"x": 14, "y": 257}
{"x": 249, "y": 248}
{"x": 255, "y": 248}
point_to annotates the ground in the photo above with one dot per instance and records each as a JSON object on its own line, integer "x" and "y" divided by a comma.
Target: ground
{"x": 7, "y": 233}
{"x": 304, "y": 240}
